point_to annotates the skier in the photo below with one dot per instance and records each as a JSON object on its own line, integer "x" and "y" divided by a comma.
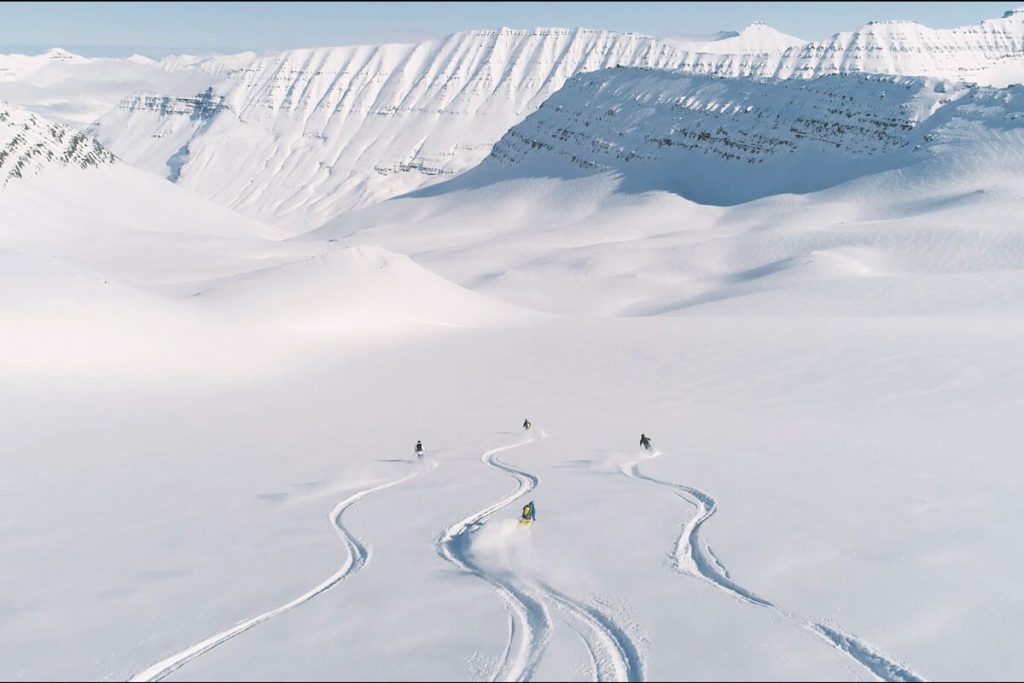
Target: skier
{"x": 419, "y": 450}
{"x": 527, "y": 424}
{"x": 645, "y": 442}
{"x": 529, "y": 514}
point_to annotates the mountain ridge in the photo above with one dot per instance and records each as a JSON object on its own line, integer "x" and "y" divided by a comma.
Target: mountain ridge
{"x": 304, "y": 135}
{"x": 30, "y": 145}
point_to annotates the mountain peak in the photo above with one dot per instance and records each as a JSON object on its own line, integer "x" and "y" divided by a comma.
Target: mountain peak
{"x": 759, "y": 28}
{"x": 62, "y": 55}
{"x": 757, "y": 37}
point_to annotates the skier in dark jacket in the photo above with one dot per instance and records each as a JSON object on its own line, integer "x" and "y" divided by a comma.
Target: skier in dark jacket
{"x": 645, "y": 442}
{"x": 419, "y": 449}
{"x": 527, "y": 424}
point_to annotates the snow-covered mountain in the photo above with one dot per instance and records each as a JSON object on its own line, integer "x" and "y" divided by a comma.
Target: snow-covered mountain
{"x": 727, "y": 141}
{"x": 300, "y": 136}
{"x": 642, "y": 192}
{"x": 14, "y": 67}
{"x": 910, "y": 49}
{"x": 758, "y": 38}
{"x": 899, "y": 48}
{"x": 30, "y": 145}
{"x": 75, "y": 90}
{"x": 65, "y": 194}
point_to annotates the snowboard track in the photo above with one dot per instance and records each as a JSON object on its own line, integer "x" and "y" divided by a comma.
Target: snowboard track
{"x": 614, "y": 655}
{"x": 612, "y": 652}
{"x": 693, "y": 558}
{"x": 358, "y": 556}
{"x": 529, "y": 621}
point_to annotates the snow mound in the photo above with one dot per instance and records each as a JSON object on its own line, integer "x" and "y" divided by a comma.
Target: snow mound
{"x": 62, "y": 319}
{"x": 359, "y": 290}
{"x": 34, "y": 285}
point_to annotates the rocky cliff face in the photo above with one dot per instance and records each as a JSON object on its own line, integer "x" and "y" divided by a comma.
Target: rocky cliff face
{"x": 202, "y": 107}
{"x": 725, "y": 141}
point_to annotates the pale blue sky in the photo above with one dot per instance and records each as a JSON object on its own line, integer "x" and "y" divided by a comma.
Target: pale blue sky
{"x": 115, "y": 29}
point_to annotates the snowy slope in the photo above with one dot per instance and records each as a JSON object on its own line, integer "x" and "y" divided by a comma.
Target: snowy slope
{"x": 165, "y": 149}
{"x": 304, "y": 135}
{"x": 358, "y": 291}
{"x": 245, "y": 505}
{"x": 889, "y": 242}
{"x": 207, "y": 430}
{"x": 80, "y": 227}
{"x": 62, "y": 193}
{"x": 607, "y": 197}
{"x": 239, "y": 462}
{"x": 726, "y": 141}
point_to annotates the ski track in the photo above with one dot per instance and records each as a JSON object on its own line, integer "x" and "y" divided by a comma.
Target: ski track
{"x": 613, "y": 654}
{"x": 692, "y": 558}
{"x": 358, "y": 557}
{"x": 529, "y": 621}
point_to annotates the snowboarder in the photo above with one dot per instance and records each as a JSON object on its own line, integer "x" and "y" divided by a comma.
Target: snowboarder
{"x": 527, "y": 424}
{"x": 645, "y": 442}
{"x": 529, "y": 514}
{"x": 419, "y": 450}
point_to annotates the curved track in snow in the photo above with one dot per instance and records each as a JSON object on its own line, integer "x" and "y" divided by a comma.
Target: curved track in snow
{"x": 693, "y": 558}
{"x": 529, "y": 621}
{"x": 358, "y": 557}
{"x": 613, "y": 654}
